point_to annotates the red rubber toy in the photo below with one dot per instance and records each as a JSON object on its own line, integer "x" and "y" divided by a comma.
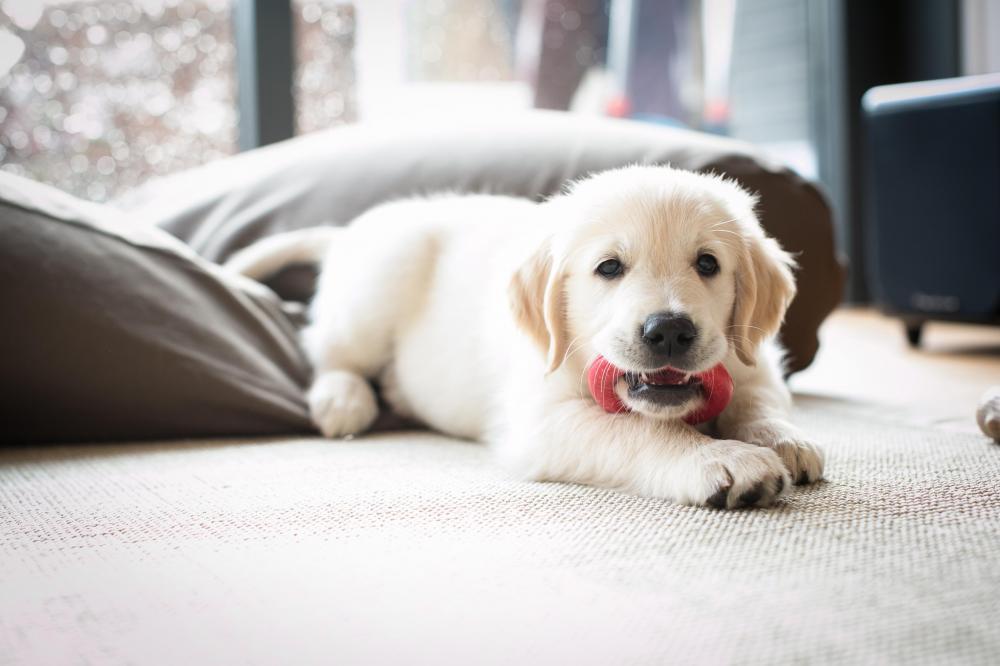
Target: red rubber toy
{"x": 716, "y": 386}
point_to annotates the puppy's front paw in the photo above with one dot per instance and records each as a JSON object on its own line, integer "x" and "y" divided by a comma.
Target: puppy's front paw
{"x": 803, "y": 458}
{"x": 342, "y": 403}
{"x": 735, "y": 474}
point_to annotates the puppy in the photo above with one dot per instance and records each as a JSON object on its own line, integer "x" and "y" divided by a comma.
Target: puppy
{"x": 480, "y": 316}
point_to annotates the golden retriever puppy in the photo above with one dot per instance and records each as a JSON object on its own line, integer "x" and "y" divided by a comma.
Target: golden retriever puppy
{"x": 480, "y": 316}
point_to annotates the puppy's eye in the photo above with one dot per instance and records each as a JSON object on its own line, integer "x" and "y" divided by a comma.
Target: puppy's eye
{"x": 610, "y": 268}
{"x": 707, "y": 265}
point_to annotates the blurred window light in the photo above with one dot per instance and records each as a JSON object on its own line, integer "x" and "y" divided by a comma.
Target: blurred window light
{"x": 11, "y": 50}
{"x": 99, "y": 96}
{"x": 418, "y": 59}
{"x": 324, "y": 78}
{"x": 24, "y": 13}
{"x": 109, "y": 93}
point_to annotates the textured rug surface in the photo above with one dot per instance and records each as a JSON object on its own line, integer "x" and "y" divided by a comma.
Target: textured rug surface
{"x": 413, "y": 548}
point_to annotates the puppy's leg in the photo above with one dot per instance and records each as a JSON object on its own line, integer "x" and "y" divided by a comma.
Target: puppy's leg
{"x": 341, "y": 401}
{"x": 367, "y": 289}
{"x": 758, "y": 414}
{"x": 576, "y": 442}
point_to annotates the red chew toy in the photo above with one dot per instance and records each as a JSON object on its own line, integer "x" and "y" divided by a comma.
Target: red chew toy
{"x": 716, "y": 387}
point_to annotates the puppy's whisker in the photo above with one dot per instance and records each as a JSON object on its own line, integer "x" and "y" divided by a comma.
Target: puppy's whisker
{"x": 569, "y": 353}
{"x": 570, "y": 345}
{"x": 717, "y": 241}
{"x": 721, "y": 222}
{"x": 738, "y": 338}
{"x": 756, "y": 328}
{"x": 604, "y": 374}
{"x": 582, "y": 384}
{"x": 569, "y": 348}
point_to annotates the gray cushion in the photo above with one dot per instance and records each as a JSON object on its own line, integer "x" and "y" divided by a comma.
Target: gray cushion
{"x": 331, "y": 177}
{"x": 113, "y": 329}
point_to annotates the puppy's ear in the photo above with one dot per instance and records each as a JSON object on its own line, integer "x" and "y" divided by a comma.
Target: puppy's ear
{"x": 764, "y": 288}
{"x": 536, "y": 299}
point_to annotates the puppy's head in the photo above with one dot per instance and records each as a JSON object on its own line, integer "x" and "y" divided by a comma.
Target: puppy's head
{"x": 653, "y": 268}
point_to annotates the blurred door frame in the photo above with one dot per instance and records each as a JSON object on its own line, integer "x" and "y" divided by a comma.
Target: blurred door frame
{"x": 264, "y": 71}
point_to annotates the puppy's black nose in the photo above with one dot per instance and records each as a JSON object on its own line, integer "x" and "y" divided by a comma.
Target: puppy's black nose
{"x": 669, "y": 335}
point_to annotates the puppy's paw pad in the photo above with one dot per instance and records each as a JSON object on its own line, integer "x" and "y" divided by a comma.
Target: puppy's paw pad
{"x": 752, "y": 496}
{"x": 342, "y": 404}
{"x": 719, "y": 498}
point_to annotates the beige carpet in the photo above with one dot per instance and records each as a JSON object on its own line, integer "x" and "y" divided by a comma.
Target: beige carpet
{"x": 415, "y": 549}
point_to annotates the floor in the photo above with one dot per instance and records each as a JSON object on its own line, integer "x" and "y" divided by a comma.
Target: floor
{"x": 864, "y": 358}
{"x": 415, "y": 548}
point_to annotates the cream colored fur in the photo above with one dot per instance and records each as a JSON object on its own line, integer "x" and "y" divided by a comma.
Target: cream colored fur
{"x": 479, "y": 315}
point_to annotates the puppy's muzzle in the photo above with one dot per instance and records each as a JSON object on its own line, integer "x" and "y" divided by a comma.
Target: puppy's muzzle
{"x": 668, "y": 336}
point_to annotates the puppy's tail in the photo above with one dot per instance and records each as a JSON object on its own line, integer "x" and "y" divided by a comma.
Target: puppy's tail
{"x": 269, "y": 255}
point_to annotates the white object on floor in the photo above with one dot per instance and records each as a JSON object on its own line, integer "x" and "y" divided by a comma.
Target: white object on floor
{"x": 988, "y": 413}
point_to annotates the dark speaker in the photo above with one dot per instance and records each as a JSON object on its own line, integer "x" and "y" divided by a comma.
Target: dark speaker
{"x": 934, "y": 199}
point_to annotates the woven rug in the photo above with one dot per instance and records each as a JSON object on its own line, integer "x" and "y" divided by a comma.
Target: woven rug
{"x": 413, "y": 548}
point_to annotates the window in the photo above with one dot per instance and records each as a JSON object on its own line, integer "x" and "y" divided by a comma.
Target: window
{"x": 324, "y": 85}
{"x": 98, "y": 96}
{"x": 104, "y": 95}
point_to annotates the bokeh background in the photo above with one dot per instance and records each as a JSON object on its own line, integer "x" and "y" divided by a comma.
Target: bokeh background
{"x": 99, "y": 96}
